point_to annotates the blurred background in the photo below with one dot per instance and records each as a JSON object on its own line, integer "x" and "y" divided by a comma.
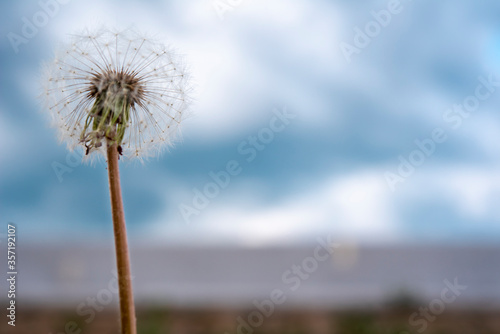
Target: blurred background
{"x": 372, "y": 209}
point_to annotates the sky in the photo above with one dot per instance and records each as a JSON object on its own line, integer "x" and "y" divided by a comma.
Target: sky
{"x": 375, "y": 121}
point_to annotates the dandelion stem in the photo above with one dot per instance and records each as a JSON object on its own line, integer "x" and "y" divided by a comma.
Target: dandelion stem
{"x": 127, "y": 309}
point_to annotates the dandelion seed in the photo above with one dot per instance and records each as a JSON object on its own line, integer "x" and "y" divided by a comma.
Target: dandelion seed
{"x": 103, "y": 85}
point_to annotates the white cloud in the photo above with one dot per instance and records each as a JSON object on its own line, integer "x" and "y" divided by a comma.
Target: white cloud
{"x": 471, "y": 190}
{"x": 357, "y": 205}
{"x": 467, "y": 191}
{"x": 230, "y": 77}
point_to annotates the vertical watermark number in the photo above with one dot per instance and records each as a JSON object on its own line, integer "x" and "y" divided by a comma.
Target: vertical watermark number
{"x": 11, "y": 273}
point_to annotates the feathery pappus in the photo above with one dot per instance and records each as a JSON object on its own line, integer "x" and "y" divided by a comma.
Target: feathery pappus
{"x": 106, "y": 87}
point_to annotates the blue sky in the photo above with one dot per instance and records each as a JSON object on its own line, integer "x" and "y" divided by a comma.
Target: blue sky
{"x": 354, "y": 119}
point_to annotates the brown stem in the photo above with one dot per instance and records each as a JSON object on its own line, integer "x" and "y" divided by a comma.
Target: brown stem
{"x": 127, "y": 309}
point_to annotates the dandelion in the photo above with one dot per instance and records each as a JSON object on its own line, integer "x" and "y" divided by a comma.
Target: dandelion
{"x": 116, "y": 86}
{"x": 117, "y": 93}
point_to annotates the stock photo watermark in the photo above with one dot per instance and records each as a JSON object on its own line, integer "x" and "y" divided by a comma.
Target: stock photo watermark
{"x": 30, "y": 27}
{"x": 453, "y": 117}
{"x": 363, "y": 37}
{"x": 449, "y": 294}
{"x": 11, "y": 273}
{"x": 73, "y": 160}
{"x": 291, "y": 280}
{"x": 248, "y": 149}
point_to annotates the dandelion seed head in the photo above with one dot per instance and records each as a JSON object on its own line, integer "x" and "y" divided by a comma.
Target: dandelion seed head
{"x": 119, "y": 87}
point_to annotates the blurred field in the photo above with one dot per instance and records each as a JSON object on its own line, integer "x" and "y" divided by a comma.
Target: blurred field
{"x": 203, "y": 321}
{"x": 358, "y": 289}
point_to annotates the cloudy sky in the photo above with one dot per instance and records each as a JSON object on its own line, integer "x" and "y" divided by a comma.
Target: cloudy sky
{"x": 387, "y": 113}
